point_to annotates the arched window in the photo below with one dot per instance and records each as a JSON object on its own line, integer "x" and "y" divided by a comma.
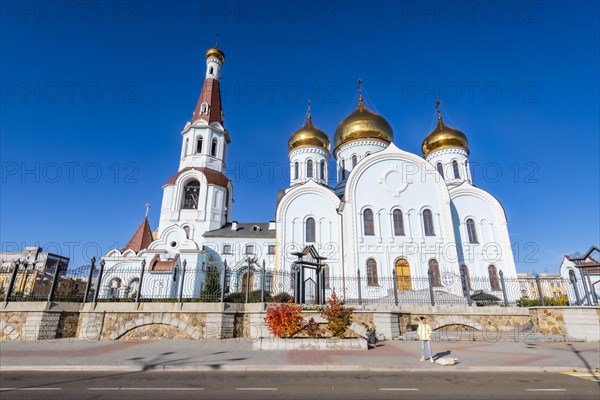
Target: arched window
{"x": 296, "y": 170}
{"x": 455, "y": 169}
{"x": 210, "y": 70}
{"x": 213, "y": 149}
{"x": 466, "y": 168}
{"x": 428, "y": 223}
{"x": 434, "y": 273}
{"x": 354, "y": 161}
{"x": 494, "y": 280}
{"x": 440, "y": 169}
{"x": 325, "y": 272}
{"x": 310, "y": 230}
{"x": 343, "y": 169}
{"x": 322, "y": 165}
{"x": 398, "y": 223}
{"x": 185, "y": 149}
{"x": 199, "y": 145}
{"x": 191, "y": 191}
{"x": 187, "y": 231}
{"x": 467, "y": 283}
{"x": 572, "y": 276}
{"x": 368, "y": 226}
{"x": 372, "y": 272}
{"x": 471, "y": 231}
{"x": 309, "y": 169}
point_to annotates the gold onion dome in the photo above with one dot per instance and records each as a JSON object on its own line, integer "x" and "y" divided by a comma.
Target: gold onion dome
{"x": 309, "y": 135}
{"x": 216, "y": 52}
{"x": 444, "y": 136}
{"x": 363, "y": 124}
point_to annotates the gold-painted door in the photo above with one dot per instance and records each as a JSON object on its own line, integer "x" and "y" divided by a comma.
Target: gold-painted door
{"x": 403, "y": 281}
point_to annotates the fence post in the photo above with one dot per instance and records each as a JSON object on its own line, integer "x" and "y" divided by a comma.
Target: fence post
{"x": 11, "y": 283}
{"x": 466, "y": 284}
{"x": 180, "y": 299}
{"x": 138, "y": 295}
{"x": 431, "y": 293}
{"x": 89, "y": 280}
{"x": 573, "y": 281}
{"x": 262, "y": 283}
{"x": 98, "y": 281}
{"x": 539, "y": 286}
{"x": 248, "y": 283}
{"x": 395, "y": 283}
{"x": 54, "y": 281}
{"x": 503, "y": 288}
{"x": 359, "y": 287}
{"x": 223, "y": 281}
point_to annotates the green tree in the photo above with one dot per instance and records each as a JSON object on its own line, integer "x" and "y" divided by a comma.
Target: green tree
{"x": 212, "y": 286}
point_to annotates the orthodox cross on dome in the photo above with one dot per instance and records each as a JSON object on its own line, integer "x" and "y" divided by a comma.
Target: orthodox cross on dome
{"x": 308, "y": 116}
{"x": 217, "y": 42}
{"x": 437, "y": 108}
{"x": 147, "y": 208}
{"x": 361, "y": 105}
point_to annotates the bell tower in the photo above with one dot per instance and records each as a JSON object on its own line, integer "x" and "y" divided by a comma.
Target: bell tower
{"x": 198, "y": 197}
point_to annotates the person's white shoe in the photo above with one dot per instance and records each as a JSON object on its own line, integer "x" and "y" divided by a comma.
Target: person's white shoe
{"x": 431, "y": 359}
{"x": 422, "y": 359}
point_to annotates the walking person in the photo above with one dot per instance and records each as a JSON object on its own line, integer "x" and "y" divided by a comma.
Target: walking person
{"x": 424, "y": 330}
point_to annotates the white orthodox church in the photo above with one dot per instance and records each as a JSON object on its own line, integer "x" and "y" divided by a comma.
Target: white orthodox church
{"x": 390, "y": 210}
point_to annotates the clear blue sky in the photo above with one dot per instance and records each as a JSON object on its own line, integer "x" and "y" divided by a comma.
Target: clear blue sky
{"x": 94, "y": 97}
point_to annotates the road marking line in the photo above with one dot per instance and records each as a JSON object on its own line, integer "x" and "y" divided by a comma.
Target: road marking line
{"x": 255, "y": 388}
{"x": 546, "y": 390}
{"x": 7, "y": 389}
{"x": 398, "y": 389}
{"x": 148, "y": 389}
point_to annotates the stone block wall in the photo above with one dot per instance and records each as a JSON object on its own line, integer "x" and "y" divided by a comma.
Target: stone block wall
{"x": 129, "y": 321}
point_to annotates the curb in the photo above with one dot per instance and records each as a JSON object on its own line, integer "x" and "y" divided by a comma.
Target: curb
{"x": 282, "y": 368}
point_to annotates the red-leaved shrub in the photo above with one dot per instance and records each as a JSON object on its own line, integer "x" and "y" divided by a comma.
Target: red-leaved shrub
{"x": 284, "y": 320}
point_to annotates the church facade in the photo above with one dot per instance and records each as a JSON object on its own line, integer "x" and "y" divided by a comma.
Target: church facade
{"x": 390, "y": 213}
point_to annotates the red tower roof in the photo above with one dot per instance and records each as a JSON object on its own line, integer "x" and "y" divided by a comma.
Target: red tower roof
{"x": 141, "y": 239}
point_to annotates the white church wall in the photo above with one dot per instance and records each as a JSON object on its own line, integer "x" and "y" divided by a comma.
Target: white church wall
{"x": 493, "y": 247}
{"x": 396, "y": 179}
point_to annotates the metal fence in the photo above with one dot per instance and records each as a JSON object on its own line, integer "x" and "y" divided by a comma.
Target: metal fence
{"x": 93, "y": 283}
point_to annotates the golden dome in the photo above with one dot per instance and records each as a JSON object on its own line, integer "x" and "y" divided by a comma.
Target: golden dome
{"x": 309, "y": 135}
{"x": 216, "y": 52}
{"x": 362, "y": 124}
{"x": 444, "y": 136}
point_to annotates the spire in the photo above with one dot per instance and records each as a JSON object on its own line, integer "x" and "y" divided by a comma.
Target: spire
{"x": 361, "y": 105}
{"x": 438, "y": 102}
{"x": 142, "y": 238}
{"x": 308, "y": 116}
{"x": 208, "y": 107}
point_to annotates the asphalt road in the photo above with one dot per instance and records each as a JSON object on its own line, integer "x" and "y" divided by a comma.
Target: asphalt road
{"x": 295, "y": 385}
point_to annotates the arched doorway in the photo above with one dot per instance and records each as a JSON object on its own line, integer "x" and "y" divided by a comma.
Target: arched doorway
{"x": 403, "y": 281}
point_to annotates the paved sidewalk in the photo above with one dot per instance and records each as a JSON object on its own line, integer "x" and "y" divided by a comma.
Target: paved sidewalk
{"x": 232, "y": 354}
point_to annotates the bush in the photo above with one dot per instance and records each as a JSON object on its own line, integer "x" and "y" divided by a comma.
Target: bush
{"x": 312, "y": 328}
{"x": 560, "y": 300}
{"x": 284, "y": 320}
{"x": 253, "y": 297}
{"x": 339, "y": 317}
{"x": 283, "y": 297}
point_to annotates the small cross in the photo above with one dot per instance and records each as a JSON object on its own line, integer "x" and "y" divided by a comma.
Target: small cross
{"x": 147, "y": 208}
{"x": 360, "y": 88}
{"x": 437, "y": 107}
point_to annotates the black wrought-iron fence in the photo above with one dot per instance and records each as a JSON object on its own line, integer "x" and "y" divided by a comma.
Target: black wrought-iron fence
{"x": 93, "y": 283}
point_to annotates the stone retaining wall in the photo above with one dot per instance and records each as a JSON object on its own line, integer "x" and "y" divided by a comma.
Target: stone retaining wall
{"x": 28, "y": 321}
